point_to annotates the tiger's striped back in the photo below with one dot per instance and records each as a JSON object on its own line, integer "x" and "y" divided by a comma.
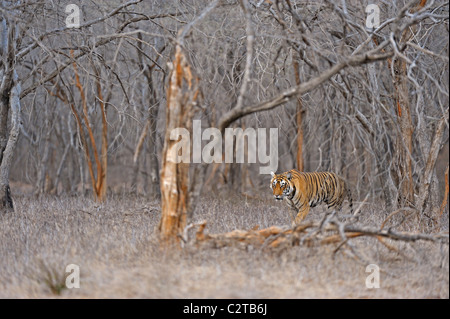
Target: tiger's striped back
{"x": 303, "y": 190}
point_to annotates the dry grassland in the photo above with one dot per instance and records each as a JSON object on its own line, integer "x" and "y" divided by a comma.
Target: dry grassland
{"x": 115, "y": 246}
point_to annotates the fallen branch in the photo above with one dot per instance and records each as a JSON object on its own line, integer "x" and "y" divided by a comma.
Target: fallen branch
{"x": 275, "y": 236}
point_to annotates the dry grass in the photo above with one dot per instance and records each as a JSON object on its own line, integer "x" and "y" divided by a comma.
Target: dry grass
{"x": 116, "y": 248}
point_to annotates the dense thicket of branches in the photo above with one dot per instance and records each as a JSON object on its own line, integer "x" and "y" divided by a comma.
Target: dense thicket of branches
{"x": 374, "y": 103}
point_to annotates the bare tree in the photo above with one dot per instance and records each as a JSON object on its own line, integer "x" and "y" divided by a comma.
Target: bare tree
{"x": 10, "y": 90}
{"x": 370, "y": 104}
{"x": 179, "y": 188}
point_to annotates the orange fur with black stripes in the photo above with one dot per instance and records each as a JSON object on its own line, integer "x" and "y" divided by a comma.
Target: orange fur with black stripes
{"x": 303, "y": 190}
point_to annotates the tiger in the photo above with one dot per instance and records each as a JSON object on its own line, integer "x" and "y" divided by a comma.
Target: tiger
{"x": 303, "y": 190}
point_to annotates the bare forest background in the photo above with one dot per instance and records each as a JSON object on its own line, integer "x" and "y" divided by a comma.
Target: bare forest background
{"x": 85, "y": 171}
{"x": 84, "y": 110}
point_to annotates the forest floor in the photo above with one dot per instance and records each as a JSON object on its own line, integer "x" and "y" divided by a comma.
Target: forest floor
{"x": 115, "y": 246}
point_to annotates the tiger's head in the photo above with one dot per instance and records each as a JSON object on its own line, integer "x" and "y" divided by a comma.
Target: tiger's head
{"x": 281, "y": 185}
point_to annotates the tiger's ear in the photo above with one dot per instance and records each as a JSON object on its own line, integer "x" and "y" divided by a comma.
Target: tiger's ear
{"x": 272, "y": 173}
{"x": 289, "y": 176}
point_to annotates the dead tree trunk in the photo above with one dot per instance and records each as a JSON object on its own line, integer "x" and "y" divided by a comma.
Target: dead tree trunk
{"x": 10, "y": 90}
{"x": 178, "y": 190}
{"x": 182, "y": 96}
{"x": 7, "y": 151}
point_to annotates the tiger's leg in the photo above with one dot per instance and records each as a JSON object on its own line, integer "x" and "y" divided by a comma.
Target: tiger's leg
{"x": 292, "y": 212}
{"x": 301, "y": 215}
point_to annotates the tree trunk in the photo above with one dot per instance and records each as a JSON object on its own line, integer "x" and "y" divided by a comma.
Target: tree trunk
{"x": 149, "y": 131}
{"x": 7, "y": 151}
{"x": 10, "y": 90}
{"x": 404, "y": 144}
{"x": 182, "y": 96}
{"x": 153, "y": 110}
{"x": 42, "y": 174}
{"x": 431, "y": 162}
{"x": 299, "y": 116}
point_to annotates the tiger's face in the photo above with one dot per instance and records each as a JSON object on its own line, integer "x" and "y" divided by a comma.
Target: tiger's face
{"x": 280, "y": 185}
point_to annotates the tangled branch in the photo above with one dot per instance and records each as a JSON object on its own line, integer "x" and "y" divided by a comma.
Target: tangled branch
{"x": 308, "y": 234}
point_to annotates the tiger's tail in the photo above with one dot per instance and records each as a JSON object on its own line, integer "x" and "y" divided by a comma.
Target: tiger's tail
{"x": 350, "y": 200}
